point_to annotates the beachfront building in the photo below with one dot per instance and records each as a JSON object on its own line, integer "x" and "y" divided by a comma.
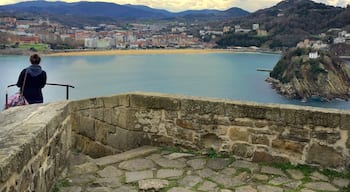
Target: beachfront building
{"x": 90, "y": 42}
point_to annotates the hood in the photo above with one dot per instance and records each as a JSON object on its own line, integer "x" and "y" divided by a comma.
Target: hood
{"x": 34, "y": 70}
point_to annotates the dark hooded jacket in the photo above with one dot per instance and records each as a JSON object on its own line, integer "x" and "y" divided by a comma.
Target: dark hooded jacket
{"x": 34, "y": 82}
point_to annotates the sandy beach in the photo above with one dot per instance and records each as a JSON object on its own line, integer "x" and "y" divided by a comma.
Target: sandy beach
{"x": 142, "y": 52}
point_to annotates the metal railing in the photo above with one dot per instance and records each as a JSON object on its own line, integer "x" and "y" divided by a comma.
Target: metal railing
{"x": 54, "y": 84}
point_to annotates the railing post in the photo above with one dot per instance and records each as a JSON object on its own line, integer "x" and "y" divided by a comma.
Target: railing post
{"x": 67, "y": 92}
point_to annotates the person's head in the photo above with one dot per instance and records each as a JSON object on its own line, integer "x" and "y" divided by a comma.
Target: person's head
{"x": 35, "y": 59}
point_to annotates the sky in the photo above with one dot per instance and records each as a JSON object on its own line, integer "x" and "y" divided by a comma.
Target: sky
{"x": 181, "y": 5}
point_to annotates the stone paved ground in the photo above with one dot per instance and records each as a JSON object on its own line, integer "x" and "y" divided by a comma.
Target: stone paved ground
{"x": 152, "y": 169}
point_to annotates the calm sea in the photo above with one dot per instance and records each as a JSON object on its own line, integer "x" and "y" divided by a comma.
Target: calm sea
{"x": 217, "y": 75}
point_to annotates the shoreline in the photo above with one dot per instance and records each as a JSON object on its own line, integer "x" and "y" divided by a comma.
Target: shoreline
{"x": 151, "y": 51}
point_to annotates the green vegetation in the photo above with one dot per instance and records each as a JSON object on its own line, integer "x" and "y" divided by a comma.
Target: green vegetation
{"x": 59, "y": 184}
{"x": 33, "y": 46}
{"x": 243, "y": 40}
{"x": 307, "y": 170}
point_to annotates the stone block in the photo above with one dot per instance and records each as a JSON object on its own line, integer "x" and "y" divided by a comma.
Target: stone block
{"x": 154, "y": 102}
{"x": 185, "y": 124}
{"x": 297, "y": 134}
{"x": 325, "y": 156}
{"x": 303, "y": 117}
{"x": 190, "y": 106}
{"x": 345, "y": 121}
{"x": 262, "y": 123}
{"x": 125, "y": 118}
{"x": 171, "y": 115}
{"x": 261, "y": 140}
{"x": 116, "y": 101}
{"x": 86, "y": 104}
{"x": 125, "y": 140}
{"x": 242, "y": 150}
{"x": 185, "y": 134}
{"x": 149, "y": 121}
{"x": 321, "y": 119}
{"x": 272, "y": 114}
{"x": 222, "y": 120}
{"x": 238, "y": 134}
{"x": 330, "y": 136}
{"x": 86, "y": 127}
{"x": 130, "y": 154}
{"x": 334, "y": 120}
{"x": 52, "y": 126}
{"x": 245, "y": 122}
{"x": 211, "y": 141}
{"x": 92, "y": 148}
{"x": 288, "y": 146}
{"x": 255, "y": 111}
{"x": 234, "y": 110}
{"x": 263, "y": 156}
{"x": 108, "y": 115}
{"x": 287, "y": 116}
{"x": 161, "y": 140}
{"x": 25, "y": 180}
{"x": 102, "y": 130}
{"x": 97, "y": 114}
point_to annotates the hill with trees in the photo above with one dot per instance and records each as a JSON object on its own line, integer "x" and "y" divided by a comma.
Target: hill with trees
{"x": 287, "y": 23}
{"x": 306, "y": 73}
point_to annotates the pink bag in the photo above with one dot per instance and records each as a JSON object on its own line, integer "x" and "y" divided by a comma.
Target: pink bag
{"x": 16, "y": 100}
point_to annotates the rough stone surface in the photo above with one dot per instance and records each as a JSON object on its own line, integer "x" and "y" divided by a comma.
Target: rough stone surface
{"x": 137, "y": 175}
{"x": 231, "y": 178}
{"x": 207, "y": 186}
{"x": 110, "y": 171}
{"x": 295, "y": 174}
{"x": 267, "y": 188}
{"x": 318, "y": 176}
{"x": 153, "y": 184}
{"x": 325, "y": 156}
{"x": 197, "y": 163}
{"x": 272, "y": 171}
{"x": 253, "y": 167}
{"x": 190, "y": 181}
{"x": 137, "y": 164}
{"x": 125, "y": 156}
{"x": 37, "y": 148}
{"x": 341, "y": 182}
{"x": 167, "y": 163}
{"x": 321, "y": 186}
{"x": 169, "y": 173}
{"x": 246, "y": 189}
{"x": 217, "y": 163}
{"x": 179, "y": 189}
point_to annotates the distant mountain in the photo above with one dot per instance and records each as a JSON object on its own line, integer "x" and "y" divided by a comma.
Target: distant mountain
{"x": 110, "y": 10}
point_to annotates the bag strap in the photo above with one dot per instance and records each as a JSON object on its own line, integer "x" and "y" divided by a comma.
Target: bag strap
{"x": 24, "y": 82}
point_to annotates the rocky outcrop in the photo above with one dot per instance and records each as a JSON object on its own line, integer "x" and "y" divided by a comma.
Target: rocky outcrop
{"x": 299, "y": 76}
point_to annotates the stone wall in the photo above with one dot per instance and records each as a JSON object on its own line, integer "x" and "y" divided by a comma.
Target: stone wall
{"x": 34, "y": 146}
{"x": 257, "y": 132}
{"x": 36, "y": 140}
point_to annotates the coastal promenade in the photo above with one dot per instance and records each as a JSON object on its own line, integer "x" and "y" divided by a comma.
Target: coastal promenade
{"x": 158, "y": 169}
{"x": 148, "y": 51}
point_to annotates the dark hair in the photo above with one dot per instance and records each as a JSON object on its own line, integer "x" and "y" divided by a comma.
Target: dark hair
{"x": 35, "y": 59}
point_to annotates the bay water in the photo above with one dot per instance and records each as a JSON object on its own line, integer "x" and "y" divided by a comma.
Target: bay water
{"x": 212, "y": 75}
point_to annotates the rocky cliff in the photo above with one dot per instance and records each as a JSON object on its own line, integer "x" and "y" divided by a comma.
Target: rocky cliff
{"x": 299, "y": 75}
